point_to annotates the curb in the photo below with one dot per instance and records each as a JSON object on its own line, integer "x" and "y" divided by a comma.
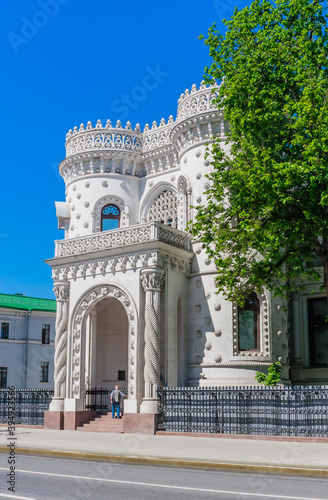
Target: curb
{"x": 237, "y": 467}
{"x": 252, "y": 437}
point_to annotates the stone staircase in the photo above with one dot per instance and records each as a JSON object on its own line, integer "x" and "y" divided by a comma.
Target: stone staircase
{"x": 103, "y": 423}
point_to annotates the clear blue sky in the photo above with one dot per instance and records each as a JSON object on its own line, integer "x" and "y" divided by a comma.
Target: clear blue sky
{"x": 69, "y": 61}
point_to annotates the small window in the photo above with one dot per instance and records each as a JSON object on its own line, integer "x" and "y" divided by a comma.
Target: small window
{"x": 44, "y": 371}
{"x": 318, "y": 331}
{"x": 3, "y": 377}
{"x": 249, "y": 324}
{"x": 110, "y": 217}
{"x": 4, "y": 330}
{"x": 121, "y": 375}
{"x": 45, "y": 334}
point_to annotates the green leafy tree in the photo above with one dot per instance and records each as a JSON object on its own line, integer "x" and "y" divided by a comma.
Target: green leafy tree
{"x": 273, "y": 376}
{"x": 266, "y": 218}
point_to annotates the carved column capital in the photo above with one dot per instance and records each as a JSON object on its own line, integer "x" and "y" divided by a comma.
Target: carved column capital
{"x": 61, "y": 290}
{"x": 152, "y": 279}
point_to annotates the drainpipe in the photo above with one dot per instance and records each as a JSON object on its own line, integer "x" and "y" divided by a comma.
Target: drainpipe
{"x": 26, "y": 347}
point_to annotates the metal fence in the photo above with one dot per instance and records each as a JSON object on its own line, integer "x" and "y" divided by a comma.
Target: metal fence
{"x": 24, "y": 406}
{"x": 98, "y": 399}
{"x": 272, "y": 411}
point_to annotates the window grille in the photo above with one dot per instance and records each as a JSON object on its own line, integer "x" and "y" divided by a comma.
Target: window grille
{"x": 164, "y": 209}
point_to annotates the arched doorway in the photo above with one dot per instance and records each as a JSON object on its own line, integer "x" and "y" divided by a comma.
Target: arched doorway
{"x": 107, "y": 345}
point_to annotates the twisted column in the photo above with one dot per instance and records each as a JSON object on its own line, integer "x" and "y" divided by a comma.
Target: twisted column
{"x": 61, "y": 290}
{"x": 152, "y": 281}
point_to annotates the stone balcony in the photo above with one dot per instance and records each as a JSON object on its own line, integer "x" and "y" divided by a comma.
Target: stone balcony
{"x": 123, "y": 238}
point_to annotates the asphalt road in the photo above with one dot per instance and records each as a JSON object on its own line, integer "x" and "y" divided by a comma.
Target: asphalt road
{"x": 43, "y": 478}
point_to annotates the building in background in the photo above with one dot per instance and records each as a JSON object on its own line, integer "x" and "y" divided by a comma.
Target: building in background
{"x": 27, "y": 342}
{"x": 137, "y": 304}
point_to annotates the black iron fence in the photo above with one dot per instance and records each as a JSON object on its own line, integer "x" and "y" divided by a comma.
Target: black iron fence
{"x": 24, "y": 406}
{"x": 98, "y": 399}
{"x": 273, "y": 411}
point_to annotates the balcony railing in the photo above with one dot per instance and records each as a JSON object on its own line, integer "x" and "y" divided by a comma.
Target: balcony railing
{"x": 120, "y": 238}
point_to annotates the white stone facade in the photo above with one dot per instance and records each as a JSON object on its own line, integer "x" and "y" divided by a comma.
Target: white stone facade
{"x": 139, "y": 300}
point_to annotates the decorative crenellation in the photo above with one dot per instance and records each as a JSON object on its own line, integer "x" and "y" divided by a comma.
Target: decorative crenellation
{"x": 87, "y": 301}
{"x": 103, "y": 137}
{"x": 132, "y": 261}
{"x": 196, "y": 101}
{"x": 106, "y": 137}
{"x": 119, "y": 238}
{"x": 158, "y": 136}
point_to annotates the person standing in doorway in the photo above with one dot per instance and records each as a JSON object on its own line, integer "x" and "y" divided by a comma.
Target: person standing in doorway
{"x": 115, "y": 398}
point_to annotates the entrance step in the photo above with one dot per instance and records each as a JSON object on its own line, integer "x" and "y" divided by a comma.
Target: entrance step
{"x": 103, "y": 423}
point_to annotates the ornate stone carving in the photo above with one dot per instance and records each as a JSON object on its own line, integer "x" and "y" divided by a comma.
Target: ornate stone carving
{"x": 121, "y": 238}
{"x": 103, "y": 138}
{"x": 61, "y": 291}
{"x": 152, "y": 281}
{"x": 264, "y": 350}
{"x": 164, "y": 209}
{"x": 193, "y": 103}
{"x": 105, "y": 200}
{"x": 157, "y": 137}
{"x": 84, "y": 305}
{"x": 62, "y": 295}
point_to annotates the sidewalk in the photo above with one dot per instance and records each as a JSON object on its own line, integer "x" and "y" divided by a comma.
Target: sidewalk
{"x": 256, "y": 455}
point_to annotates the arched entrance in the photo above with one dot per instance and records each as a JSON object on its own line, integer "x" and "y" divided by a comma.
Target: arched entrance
{"x": 97, "y": 353}
{"x": 107, "y": 345}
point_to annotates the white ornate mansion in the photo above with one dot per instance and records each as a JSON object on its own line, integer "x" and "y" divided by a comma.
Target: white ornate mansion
{"x": 136, "y": 298}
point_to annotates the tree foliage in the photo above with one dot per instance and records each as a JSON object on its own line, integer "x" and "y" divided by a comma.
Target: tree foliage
{"x": 273, "y": 376}
{"x": 266, "y": 218}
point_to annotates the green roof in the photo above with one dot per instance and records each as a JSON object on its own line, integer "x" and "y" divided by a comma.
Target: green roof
{"x": 27, "y": 303}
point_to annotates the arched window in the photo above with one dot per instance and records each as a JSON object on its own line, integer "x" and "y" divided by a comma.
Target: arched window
{"x": 110, "y": 217}
{"x": 164, "y": 209}
{"x": 249, "y": 324}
